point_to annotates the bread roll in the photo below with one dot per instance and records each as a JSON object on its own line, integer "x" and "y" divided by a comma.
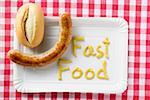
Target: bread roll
{"x": 30, "y": 25}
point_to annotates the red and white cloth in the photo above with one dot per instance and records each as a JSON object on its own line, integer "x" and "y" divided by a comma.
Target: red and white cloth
{"x": 137, "y": 14}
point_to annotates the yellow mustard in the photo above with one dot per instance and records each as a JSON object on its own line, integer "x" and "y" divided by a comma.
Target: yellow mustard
{"x": 100, "y": 52}
{"x": 61, "y": 68}
{"x": 106, "y": 42}
{"x": 79, "y": 70}
{"x": 103, "y": 70}
{"x": 89, "y": 70}
{"x": 74, "y": 45}
{"x": 88, "y": 51}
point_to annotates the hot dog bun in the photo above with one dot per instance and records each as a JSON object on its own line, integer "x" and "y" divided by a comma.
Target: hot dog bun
{"x": 30, "y": 25}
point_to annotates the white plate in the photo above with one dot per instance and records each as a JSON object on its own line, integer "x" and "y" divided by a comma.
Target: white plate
{"x": 94, "y": 31}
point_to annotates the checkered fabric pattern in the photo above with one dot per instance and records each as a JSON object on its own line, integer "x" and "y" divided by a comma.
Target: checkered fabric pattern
{"x": 136, "y": 13}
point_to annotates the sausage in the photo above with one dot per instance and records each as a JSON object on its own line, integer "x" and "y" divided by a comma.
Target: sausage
{"x": 52, "y": 54}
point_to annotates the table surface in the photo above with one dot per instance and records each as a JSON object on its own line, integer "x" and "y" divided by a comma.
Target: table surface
{"x": 135, "y": 12}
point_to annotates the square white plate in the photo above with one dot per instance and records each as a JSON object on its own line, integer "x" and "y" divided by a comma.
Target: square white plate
{"x": 94, "y": 31}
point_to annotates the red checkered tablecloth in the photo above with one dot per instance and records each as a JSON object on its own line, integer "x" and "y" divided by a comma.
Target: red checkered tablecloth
{"x": 137, "y": 14}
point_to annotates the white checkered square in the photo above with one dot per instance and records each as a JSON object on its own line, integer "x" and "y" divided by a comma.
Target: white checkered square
{"x": 83, "y": 95}
{"x": 109, "y": 1}
{"x": 2, "y": 12}
{"x": 73, "y": 1}
{"x": 120, "y": 13}
{"x": 47, "y": 96}
{"x": 1, "y": 70}
{"x": 106, "y": 97}
{"x": 120, "y": 2}
{"x": 132, "y": 25}
{"x": 61, "y": 10}
{"x": 96, "y": 12}
{"x": 144, "y": 2}
{"x": 142, "y": 36}
{"x": 132, "y": 13}
{"x": 62, "y": 1}
{"x": 2, "y": 21}
{"x": 97, "y": 2}
{"x": 142, "y": 59}
{"x": 131, "y": 69}
{"x": 131, "y": 58}
{"x": 85, "y": 11}
{"x": 50, "y": 10}
{"x": 2, "y": 51}
{"x": 36, "y": 96}
{"x": 142, "y": 70}
{"x": 109, "y": 13}
{"x": 143, "y": 25}
{"x": 60, "y": 95}
{"x": 133, "y": 2}
{"x": 130, "y": 94}
{"x": 131, "y": 36}
{"x": 142, "y": 48}
{"x": 131, "y": 47}
{"x": 86, "y": 1}
{"x": 14, "y": 10}
{"x": 141, "y": 93}
{"x": 118, "y": 97}
{"x": 73, "y": 11}
{"x": 13, "y": 25}
{"x": 143, "y": 13}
